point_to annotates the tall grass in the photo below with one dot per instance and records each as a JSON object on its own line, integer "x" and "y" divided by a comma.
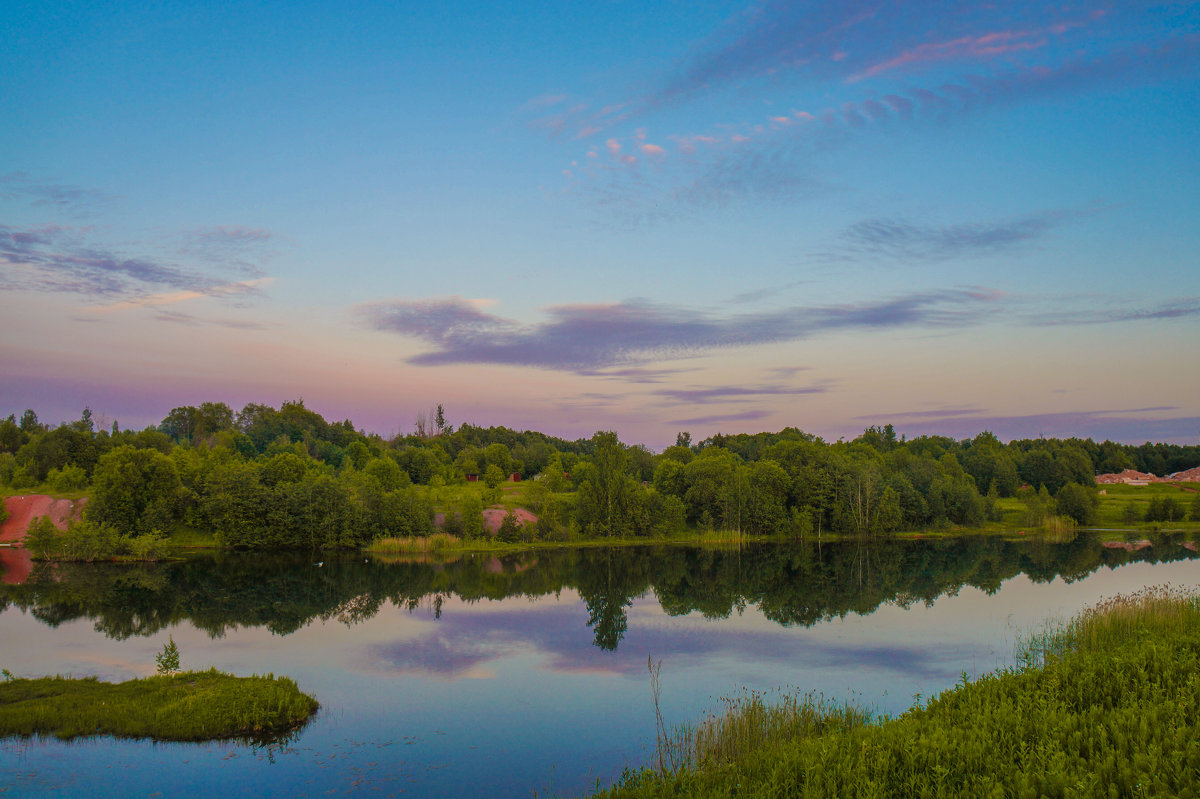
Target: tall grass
{"x": 415, "y": 543}
{"x": 1158, "y": 612}
{"x": 1106, "y": 704}
{"x": 189, "y": 706}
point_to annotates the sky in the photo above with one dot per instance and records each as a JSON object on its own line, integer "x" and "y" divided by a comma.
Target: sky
{"x": 643, "y": 217}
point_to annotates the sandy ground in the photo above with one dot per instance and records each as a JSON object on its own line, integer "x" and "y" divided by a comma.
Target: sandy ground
{"x": 492, "y": 517}
{"x": 22, "y": 510}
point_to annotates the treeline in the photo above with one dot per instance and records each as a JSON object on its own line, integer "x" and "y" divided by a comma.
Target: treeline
{"x": 269, "y": 478}
{"x": 793, "y": 583}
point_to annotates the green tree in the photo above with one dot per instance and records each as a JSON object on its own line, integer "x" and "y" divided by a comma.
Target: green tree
{"x": 492, "y": 476}
{"x": 472, "y": 516}
{"x": 1077, "y": 502}
{"x": 604, "y": 495}
{"x": 135, "y": 490}
{"x": 168, "y": 659}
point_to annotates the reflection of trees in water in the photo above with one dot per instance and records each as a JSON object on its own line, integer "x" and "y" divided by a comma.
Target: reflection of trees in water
{"x": 794, "y": 583}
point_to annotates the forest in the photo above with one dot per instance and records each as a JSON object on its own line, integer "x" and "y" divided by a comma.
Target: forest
{"x": 278, "y": 478}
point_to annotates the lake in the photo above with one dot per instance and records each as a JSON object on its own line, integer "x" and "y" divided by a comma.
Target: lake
{"x": 527, "y": 674}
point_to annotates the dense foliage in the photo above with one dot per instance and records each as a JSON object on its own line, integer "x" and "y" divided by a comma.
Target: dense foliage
{"x": 274, "y": 478}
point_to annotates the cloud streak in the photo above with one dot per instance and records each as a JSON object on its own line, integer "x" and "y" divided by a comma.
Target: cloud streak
{"x": 904, "y": 240}
{"x": 861, "y": 59}
{"x": 47, "y": 194}
{"x": 718, "y": 394}
{"x": 586, "y": 338}
{"x": 55, "y": 258}
{"x": 1133, "y": 425}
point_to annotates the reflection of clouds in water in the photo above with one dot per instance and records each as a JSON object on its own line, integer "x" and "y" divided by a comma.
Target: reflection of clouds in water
{"x": 463, "y": 643}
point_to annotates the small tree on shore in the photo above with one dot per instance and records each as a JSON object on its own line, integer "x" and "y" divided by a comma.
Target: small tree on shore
{"x": 168, "y": 658}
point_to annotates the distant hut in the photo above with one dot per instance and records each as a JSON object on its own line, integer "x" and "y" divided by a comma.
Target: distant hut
{"x": 472, "y": 477}
{"x": 515, "y": 477}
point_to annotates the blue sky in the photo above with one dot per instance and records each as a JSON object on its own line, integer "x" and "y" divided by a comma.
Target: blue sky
{"x": 646, "y": 217}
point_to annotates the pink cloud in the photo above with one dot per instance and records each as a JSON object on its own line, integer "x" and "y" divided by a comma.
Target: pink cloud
{"x": 614, "y": 146}
{"x": 967, "y": 47}
{"x": 652, "y": 149}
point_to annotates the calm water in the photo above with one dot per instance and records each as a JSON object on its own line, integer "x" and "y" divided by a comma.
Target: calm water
{"x": 527, "y": 674}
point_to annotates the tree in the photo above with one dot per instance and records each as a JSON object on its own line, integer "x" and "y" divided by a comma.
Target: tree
{"x": 439, "y": 419}
{"x": 1077, "y": 502}
{"x": 492, "y": 476}
{"x": 604, "y": 495}
{"x": 168, "y": 658}
{"x": 135, "y": 490}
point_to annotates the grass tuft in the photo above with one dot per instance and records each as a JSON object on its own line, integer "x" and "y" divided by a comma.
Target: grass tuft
{"x": 188, "y": 706}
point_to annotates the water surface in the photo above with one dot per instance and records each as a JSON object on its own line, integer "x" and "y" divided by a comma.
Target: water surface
{"x": 528, "y": 673}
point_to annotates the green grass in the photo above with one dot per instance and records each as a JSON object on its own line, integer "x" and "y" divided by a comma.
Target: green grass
{"x": 45, "y": 488}
{"x": 438, "y": 542}
{"x": 191, "y": 706}
{"x": 1117, "y": 497}
{"x": 1107, "y": 704}
{"x": 192, "y": 538}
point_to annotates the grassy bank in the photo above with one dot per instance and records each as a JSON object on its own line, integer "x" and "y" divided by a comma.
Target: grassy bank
{"x": 1107, "y": 704}
{"x": 191, "y": 706}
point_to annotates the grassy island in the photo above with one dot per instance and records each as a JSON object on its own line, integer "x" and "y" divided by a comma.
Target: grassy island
{"x": 1105, "y": 705}
{"x": 189, "y": 706}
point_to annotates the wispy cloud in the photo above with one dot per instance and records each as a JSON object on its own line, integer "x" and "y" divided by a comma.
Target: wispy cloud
{"x": 905, "y": 240}
{"x": 636, "y": 374}
{"x": 743, "y": 416}
{"x": 860, "y": 57}
{"x": 1133, "y": 425}
{"x": 972, "y": 48}
{"x": 715, "y": 394}
{"x": 57, "y": 258}
{"x": 1119, "y": 310}
{"x": 180, "y": 318}
{"x": 586, "y": 338}
{"x": 242, "y": 287}
{"x": 61, "y": 197}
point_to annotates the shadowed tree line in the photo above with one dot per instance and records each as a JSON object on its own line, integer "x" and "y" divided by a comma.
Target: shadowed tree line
{"x": 793, "y": 584}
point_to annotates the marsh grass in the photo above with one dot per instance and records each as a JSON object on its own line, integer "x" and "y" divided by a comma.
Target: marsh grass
{"x": 1106, "y": 704}
{"x": 188, "y": 706}
{"x": 1059, "y": 529}
{"x": 1159, "y": 612}
{"x": 438, "y": 542}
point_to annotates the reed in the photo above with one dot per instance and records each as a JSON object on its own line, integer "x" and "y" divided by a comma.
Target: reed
{"x": 415, "y": 543}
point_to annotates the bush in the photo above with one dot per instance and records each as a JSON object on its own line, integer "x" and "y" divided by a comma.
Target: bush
{"x": 1164, "y": 509}
{"x": 511, "y": 530}
{"x": 42, "y": 539}
{"x": 150, "y": 546}
{"x": 69, "y": 478}
{"x": 1077, "y": 502}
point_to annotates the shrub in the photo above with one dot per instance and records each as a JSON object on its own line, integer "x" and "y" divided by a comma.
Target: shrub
{"x": 1077, "y": 502}
{"x": 168, "y": 659}
{"x": 511, "y": 530}
{"x": 70, "y": 478}
{"x": 42, "y": 539}
{"x": 150, "y": 546}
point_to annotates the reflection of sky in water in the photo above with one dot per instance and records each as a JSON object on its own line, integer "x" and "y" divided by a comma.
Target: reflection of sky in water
{"x": 506, "y": 697}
